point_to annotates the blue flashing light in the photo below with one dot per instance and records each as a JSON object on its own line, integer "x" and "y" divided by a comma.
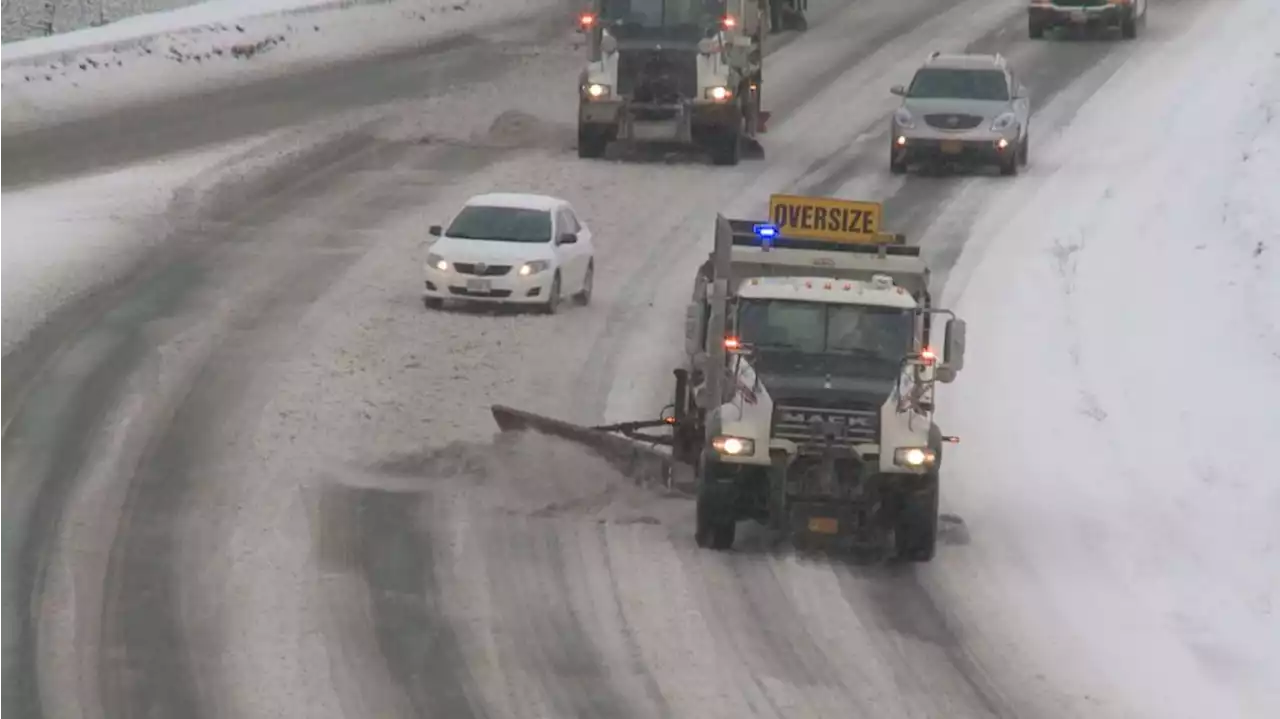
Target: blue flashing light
{"x": 766, "y": 232}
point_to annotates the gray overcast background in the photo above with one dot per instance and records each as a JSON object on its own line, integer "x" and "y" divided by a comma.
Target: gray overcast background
{"x": 35, "y": 18}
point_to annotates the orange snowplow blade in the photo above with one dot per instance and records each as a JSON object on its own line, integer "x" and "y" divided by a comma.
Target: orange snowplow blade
{"x": 645, "y": 465}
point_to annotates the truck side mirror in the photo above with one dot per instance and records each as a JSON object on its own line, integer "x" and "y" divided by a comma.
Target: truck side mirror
{"x": 693, "y": 329}
{"x": 898, "y": 90}
{"x": 952, "y": 351}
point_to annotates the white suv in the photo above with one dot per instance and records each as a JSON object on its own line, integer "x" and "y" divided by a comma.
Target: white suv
{"x": 962, "y": 109}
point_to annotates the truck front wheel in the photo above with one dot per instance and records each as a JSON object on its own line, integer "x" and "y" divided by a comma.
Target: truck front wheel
{"x": 916, "y": 529}
{"x": 716, "y": 523}
{"x": 592, "y": 141}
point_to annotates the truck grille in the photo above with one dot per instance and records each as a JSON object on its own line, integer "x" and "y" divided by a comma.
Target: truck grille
{"x": 813, "y": 428}
{"x": 481, "y": 269}
{"x": 657, "y": 76}
{"x": 952, "y": 121}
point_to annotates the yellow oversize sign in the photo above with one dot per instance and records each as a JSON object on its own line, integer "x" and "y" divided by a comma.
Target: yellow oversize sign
{"x": 826, "y": 218}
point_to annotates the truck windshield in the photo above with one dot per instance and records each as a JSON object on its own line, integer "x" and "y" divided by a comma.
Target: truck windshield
{"x": 878, "y": 334}
{"x": 655, "y": 14}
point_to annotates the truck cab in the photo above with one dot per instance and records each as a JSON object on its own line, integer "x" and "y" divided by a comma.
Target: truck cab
{"x": 824, "y": 427}
{"x": 671, "y": 71}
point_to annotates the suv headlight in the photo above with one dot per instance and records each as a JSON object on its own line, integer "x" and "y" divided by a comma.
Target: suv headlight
{"x": 914, "y": 457}
{"x": 1004, "y": 121}
{"x": 533, "y": 268}
{"x": 902, "y": 118}
{"x": 734, "y": 446}
{"x": 436, "y": 261}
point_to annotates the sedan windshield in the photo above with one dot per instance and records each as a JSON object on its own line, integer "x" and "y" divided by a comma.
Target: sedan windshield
{"x": 507, "y": 224}
{"x": 879, "y": 334}
{"x": 942, "y": 83}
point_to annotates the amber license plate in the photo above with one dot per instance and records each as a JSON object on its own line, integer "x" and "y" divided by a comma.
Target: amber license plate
{"x": 824, "y": 525}
{"x": 952, "y": 147}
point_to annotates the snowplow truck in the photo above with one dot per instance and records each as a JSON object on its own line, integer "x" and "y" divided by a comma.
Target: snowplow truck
{"x": 806, "y": 400}
{"x": 674, "y": 72}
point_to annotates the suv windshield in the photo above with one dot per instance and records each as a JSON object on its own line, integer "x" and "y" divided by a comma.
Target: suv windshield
{"x": 879, "y": 334}
{"x": 510, "y": 224}
{"x": 939, "y": 83}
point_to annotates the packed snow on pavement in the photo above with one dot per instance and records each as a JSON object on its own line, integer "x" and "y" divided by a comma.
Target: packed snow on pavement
{"x": 211, "y": 45}
{"x": 1122, "y": 387}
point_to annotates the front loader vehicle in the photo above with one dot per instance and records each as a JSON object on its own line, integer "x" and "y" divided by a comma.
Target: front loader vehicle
{"x": 806, "y": 400}
{"x": 683, "y": 72}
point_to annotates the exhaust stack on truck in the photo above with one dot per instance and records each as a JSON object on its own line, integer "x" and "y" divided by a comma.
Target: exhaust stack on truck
{"x": 806, "y": 399}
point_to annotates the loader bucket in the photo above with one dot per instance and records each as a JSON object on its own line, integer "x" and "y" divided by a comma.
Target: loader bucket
{"x": 645, "y": 465}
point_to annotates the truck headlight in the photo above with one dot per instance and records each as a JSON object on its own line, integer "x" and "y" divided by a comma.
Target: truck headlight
{"x": 597, "y": 90}
{"x": 914, "y": 457}
{"x": 437, "y": 262}
{"x": 734, "y": 446}
{"x": 718, "y": 93}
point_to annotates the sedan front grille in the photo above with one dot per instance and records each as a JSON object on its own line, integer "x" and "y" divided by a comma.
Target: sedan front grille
{"x": 814, "y": 428}
{"x": 952, "y": 121}
{"x": 481, "y": 269}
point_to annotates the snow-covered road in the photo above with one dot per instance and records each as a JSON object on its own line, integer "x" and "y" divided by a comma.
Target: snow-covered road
{"x": 257, "y": 479}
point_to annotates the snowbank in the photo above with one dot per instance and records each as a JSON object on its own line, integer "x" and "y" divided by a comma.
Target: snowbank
{"x": 62, "y": 238}
{"x": 200, "y": 48}
{"x": 44, "y": 26}
{"x": 1123, "y": 387}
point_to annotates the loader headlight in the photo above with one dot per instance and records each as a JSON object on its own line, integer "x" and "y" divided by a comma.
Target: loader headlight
{"x": 914, "y": 457}
{"x": 533, "y": 268}
{"x": 437, "y": 262}
{"x": 597, "y": 90}
{"x": 734, "y": 446}
{"x": 719, "y": 94}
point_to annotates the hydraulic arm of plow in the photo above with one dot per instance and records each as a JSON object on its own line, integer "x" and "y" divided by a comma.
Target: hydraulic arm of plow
{"x": 623, "y": 444}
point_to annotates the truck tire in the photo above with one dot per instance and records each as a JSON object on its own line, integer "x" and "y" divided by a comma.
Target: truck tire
{"x": 592, "y": 142}
{"x": 916, "y": 529}
{"x": 726, "y": 145}
{"x": 717, "y": 525}
{"x": 1129, "y": 28}
{"x": 1035, "y": 30}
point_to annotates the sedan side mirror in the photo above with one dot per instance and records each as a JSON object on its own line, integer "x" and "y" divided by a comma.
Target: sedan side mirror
{"x": 568, "y": 238}
{"x": 898, "y": 90}
{"x": 435, "y": 230}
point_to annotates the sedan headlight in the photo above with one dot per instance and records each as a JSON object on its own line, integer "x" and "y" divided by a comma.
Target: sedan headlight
{"x": 734, "y": 446}
{"x": 1004, "y": 121}
{"x": 438, "y": 262}
{"x": 914, "y": 457}
{"x": 902, "y": 118}
{"x": 533, "y": 268}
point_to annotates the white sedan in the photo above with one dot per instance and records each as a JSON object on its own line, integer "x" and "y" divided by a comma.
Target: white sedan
{"x": 511, "y": 248}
